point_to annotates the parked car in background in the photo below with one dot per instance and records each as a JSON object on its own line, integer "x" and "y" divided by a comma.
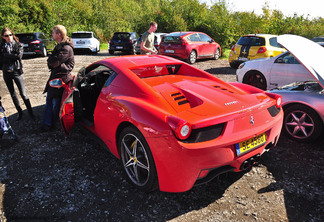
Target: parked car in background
{"x": 272, "y": 72}
{"x": 319, "y": 40}
{"x": 254, "y": 46}
{"x": 189, "y": 46}
{"x": 157, "y": 40}
{"x": 85, "y": 41}
{"x": 171, "y": 125}
{"x": 36, "y": 43}
{"x": 303, "y": 102}
{"x": 123, "y": 42}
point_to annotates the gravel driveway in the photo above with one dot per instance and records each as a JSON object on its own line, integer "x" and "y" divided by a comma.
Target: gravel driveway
{"x": 50, "y": 177}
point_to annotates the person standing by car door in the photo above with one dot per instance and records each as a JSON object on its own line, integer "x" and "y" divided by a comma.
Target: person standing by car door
{"x": 147, "y": 45}
{"x": 11, "y": 52}
{"x": 60, "y": 63}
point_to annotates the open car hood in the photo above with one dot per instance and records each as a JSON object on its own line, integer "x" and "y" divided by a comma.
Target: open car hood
{"x": 309, "y": 53}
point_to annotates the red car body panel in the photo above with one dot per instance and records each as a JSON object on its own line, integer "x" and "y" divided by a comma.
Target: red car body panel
{"x": 147, "y": 102}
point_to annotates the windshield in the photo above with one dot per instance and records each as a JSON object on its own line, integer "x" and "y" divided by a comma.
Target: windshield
{"x": 81, "y": 35}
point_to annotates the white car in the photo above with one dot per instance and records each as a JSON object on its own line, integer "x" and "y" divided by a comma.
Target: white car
{"x": 269, "y": 73}
{"x": 84, "y": 40}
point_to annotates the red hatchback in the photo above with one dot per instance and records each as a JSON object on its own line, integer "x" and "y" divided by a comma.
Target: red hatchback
{"x": 189, "y": 46}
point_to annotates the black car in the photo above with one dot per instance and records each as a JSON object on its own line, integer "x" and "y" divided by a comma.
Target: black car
{"x": 36, "y": 43}
{"x": 123, "y": 42}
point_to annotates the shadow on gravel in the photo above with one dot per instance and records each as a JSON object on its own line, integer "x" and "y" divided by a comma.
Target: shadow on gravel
{"x": 299, "y": 171}
{"x": 50, "y": 177}
{"x": 222, "y": 70}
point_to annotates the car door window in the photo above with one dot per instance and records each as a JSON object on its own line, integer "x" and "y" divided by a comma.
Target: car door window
{"x": 287, "y": 58}
{"x": 204, "y": 38}
{"x": 193, "y": 38}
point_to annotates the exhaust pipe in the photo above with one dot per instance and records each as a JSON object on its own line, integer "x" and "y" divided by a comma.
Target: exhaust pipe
{"x": 250, "y": 162}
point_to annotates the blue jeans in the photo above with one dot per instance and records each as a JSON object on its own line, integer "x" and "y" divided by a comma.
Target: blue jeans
{"x": 52, "y": 108}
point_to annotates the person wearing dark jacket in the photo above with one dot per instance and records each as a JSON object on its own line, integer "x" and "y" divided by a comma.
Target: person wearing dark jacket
{"x": 60, "y": 63}
{"x": 11, "y": 52}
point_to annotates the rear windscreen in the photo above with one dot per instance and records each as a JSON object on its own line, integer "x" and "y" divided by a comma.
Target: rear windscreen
{"x": 251, "y": 41}
{"x": 171, "y": 39}
{"x": 121, "y": 36}
{"x": 26, "y": 37}
{"x": 81, "y": 35}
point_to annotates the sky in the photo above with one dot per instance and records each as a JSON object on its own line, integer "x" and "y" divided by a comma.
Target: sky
{"x": 311, "y": 8}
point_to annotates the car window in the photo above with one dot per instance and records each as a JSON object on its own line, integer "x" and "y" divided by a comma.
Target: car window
{"x": 251, "y": 41}
{"x": 81, "y": 35}
{"x": 98, "y": 74}
{"x": 204, "y": 38}
{"x": 273, "y": 42}
{"x": 28, "y": 36}
{"x": 193, "y": 38}
{"x": 287, "y": 58}
{"x": 121, "y": 36}
{"x": 318, "y": 39}
{"x": 171, "y": 39}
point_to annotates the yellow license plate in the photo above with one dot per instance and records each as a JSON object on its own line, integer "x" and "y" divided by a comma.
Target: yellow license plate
{"x": 250, "y": 144}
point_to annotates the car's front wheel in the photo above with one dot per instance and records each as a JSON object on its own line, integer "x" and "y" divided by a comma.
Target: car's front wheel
{"x": 301, "y": 123}
{"x": 137, "y": 159}
{"x": 111, "y": 52}
{"x": 255, "y": 79}
{"x": 192, "y": 57}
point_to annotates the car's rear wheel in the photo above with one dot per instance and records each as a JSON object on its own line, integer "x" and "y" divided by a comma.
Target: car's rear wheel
{"x": 217, "y": 54}
{"x": 255, "y": 79}
{"x": 192, "y": 57}
{"x": 44, "y": 52}
{"x": 137, "y": 159}
{"x": 301, "y": 123}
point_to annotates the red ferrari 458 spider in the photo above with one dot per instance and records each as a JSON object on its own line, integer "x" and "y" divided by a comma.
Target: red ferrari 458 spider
{"x": 171, "y": 125}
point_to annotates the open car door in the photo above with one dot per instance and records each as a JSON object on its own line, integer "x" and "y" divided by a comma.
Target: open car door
{"x": 69, "y": 113}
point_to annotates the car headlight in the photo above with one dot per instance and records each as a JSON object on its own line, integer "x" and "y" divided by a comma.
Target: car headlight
{"x": 241, "y": 65}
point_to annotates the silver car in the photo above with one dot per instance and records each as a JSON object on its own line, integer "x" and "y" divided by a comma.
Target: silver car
{"x": 303, "y": 102}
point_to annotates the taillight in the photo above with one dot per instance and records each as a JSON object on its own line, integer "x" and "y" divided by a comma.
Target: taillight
{"x": 262, "y": 50}
{"x": 183, "y": 42}
{"x": 277, "y": 97}
{"x": 181, "y": 128}
{"x": 130, "y": 41}
{"x": 233, "y": 47}
{"x": 35, "y": 42}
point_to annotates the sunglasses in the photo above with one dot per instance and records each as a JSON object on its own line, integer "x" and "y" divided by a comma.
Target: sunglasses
{"x": 7, "y": 35}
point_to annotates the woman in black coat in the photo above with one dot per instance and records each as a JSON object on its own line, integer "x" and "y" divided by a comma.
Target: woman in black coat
{"x": 11, "y": 52}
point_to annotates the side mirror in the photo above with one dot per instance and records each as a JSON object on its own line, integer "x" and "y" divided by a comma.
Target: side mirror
{"x": 279, "y": 60}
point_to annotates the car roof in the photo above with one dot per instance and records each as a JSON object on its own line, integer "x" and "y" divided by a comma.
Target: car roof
{"x": 82, "y": 32}
{"x": 309, "y": 53}
{"x": 183, "y": 33}
{"x": 261, "y": 35}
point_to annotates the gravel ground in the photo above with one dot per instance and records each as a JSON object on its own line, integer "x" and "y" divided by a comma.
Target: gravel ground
{"x": 50, "y": 177}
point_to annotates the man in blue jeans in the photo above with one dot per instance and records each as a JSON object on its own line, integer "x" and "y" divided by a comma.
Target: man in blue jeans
{"x": 61, "y": 63}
